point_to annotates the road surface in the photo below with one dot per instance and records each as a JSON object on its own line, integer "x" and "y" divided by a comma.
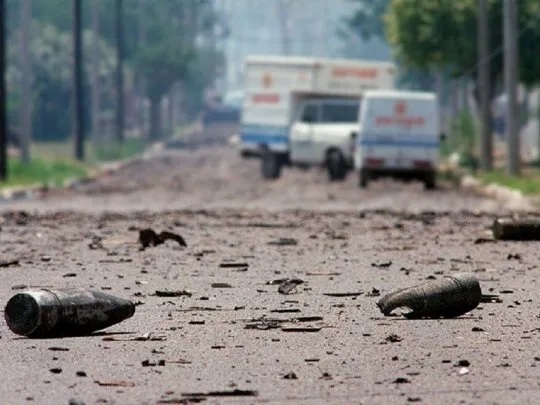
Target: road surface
{"x": 235, "y": 339}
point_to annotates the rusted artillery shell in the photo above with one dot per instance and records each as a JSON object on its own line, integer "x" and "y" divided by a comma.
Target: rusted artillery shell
{"x": 70, "y": 312}
{"x": 448, "y": 297}
{"x": 516, "y": 229}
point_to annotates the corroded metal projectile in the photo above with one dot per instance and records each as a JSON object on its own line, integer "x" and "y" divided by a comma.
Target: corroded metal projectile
{"x": 448, "y": 297}
{"x": 69, "y": 312}
{"x": 516, "y": 229}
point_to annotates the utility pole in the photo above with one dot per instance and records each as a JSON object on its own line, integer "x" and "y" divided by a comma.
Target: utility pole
{"x": 510, "y": 81}
{"x": 284, "y": 20}
{"x": 25, "y": 120}
{"x": 96, "y": 85}
{"x": 484, "y": 88}
{"x": 3, "y": 133}
{"x": 119, "y": 73}
{"x": 77, "y": 81}
{"x": 141, "y": 83}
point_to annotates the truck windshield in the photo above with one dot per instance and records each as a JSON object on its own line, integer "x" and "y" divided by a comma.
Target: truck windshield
{"x": 339, "y": 112}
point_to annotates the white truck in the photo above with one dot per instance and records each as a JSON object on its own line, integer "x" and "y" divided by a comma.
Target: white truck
{"x": 398, "y": 136}
{"x": 301, "y": 111}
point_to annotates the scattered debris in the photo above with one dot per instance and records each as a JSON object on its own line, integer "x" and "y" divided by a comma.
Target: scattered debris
{"x": 393, "y": 338}
{"x": 309, "y": 318}
{"x": 448, "y": 297}
{"x": 286, "y": 310}
{"x": 463, "y": 363}
{"x": 516, "y": 229}
{"x": 382, "y": 265}
{"x": 115, "y": 383}
{"x": 232, "y": 265}
{"x": 373, "y": 293}
{"x": 463, "y": 371}
{"x": 344, "y": 294}
{"x": 233, "y": 393}
{"x": 169, "y": 294}
{"x": 39, "y": 312}
{"x": 299, "y": 329}
{"x": 142, "y": 338}
{"x": 9, "y": 262}
{"x": 148, "y": 237}
{"x": 80, "y": 374}
{"x": 290, "y": 376}
{"x": 58, "y": 349}
{"x": 56, "y": 370}
{"x": 513, "y": 256}
{"x": 148, "y": 363}
{"x": 284, "y": 242}
{"x": 322, "y": 274}
{"x": 221, "y": 285}
{"x": 490, "y": 298}
{"x": 401, "y": 380}
{"x": 288, "y": 285}
{"x": 265, "y": 323}
{"x": 481, "y": 240}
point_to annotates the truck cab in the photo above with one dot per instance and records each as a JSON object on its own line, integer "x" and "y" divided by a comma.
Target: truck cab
{"x": 320, "y": 134}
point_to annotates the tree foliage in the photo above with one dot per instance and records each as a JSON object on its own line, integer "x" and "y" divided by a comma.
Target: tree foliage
{"x": 434, "y": 34}
{"x": 367, "y": 21}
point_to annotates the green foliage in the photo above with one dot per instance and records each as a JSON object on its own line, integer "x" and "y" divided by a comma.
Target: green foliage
{"x": 462, "y": 140}
{"x": 528, "y": 184}
{"x": 113, "y": 151}
{"x": 43, "y": 171}
{"x": 367, "y": 20}
{"x": 434, "y": 34}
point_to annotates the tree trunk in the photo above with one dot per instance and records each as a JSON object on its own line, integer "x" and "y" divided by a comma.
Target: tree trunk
{"x": 25, "y": 132}
{"x": 155, "y": 119}
{"x": 96, "y": 85}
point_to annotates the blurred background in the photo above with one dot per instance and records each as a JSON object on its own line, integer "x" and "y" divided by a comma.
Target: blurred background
{"x": 153, "y": 70}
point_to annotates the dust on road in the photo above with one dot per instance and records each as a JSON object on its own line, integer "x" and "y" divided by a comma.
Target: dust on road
{"x": 216, "y": 177}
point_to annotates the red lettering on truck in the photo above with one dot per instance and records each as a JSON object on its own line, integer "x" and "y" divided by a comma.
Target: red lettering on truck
{"x": 265, "y": 98}
{"x": 365, "y": 73}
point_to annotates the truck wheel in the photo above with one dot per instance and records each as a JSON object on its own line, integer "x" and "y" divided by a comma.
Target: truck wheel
{"x": 270, "y": 165}
{"x": 430, "y": 182}
{"x": 363, "y": 177}
{"x": 337, "y": 168}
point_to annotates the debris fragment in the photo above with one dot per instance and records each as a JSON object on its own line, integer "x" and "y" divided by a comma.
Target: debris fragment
{"x": 264, "y": 323}
{"x": 516, "y": 229}
{"x": 148, "y": 237}
{"x": 177, "y": 293}
{"x": 142, "y": 338}
{"x": 221, "y": 285}
{"x": 56, "y": 370}
{"x": 299, "y": 329}
{"x": 41, "y": 313}
{"x": 393, "y": 338}
{"x": 344, "y": 294}
{"x": 382, "y": 265}
{"x": 9, "y": 262}
{"x": 401, "y": 380}
{"x": 115, "y": 383}
{"x": 290, "y": 376}
{"x": 288, "y": 285}
{"x": 284, "y": 242}
{"x": 232, "y": 265}
{"x": 373, "y": 293}
{"x": 233, "y": 393}
{"x": 448, "y": 297}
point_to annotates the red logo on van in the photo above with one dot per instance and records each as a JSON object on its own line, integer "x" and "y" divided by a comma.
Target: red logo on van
{"x": 400, "y": 117}
{"x": 400, "y": 108}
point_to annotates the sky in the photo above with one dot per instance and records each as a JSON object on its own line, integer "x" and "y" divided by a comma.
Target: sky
{"x": 294, "y": 27}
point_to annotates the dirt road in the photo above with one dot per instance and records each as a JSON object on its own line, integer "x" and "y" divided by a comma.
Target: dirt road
{"x": 236, "y": 339}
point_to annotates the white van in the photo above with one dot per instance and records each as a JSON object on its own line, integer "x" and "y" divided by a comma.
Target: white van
{"x": 301, "y": 111}
{"x": 398, "y": 137}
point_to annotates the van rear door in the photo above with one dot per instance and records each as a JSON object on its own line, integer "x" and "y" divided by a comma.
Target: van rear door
{"x": 399, "y": 133}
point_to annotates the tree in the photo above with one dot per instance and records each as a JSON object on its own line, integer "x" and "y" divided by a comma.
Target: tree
{"x": 163, "y": 65}
{"x": 368, "y": 23}
{"x": 433, "y": 34}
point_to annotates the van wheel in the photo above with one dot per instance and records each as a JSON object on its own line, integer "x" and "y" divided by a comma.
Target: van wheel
{"x": 363, "y": 178}
{"x": 430, "y": 182}
{"x": 270, "y": 165}
{"x": 337, "y": 168}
